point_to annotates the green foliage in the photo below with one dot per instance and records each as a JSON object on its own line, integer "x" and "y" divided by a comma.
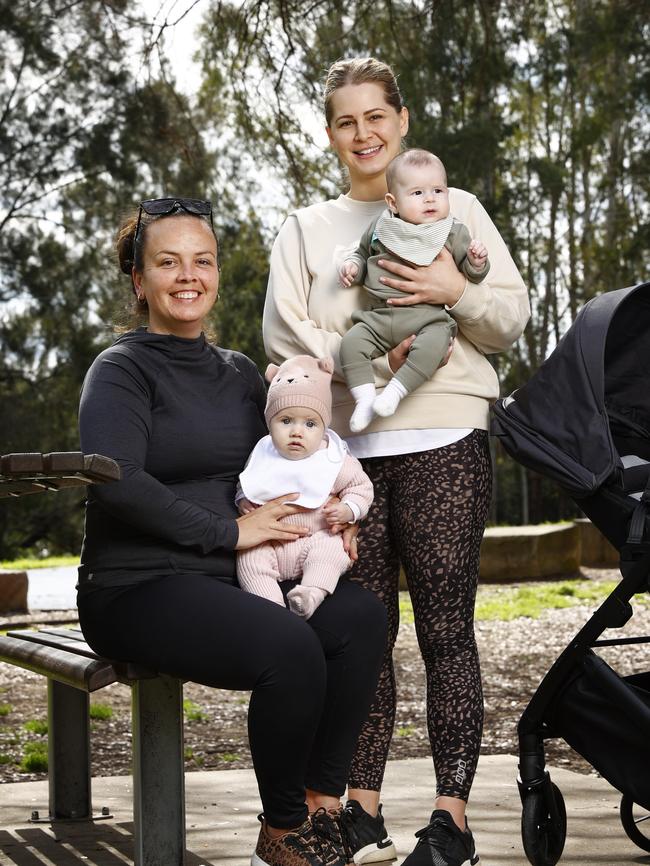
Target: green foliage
{"x": 34, "y": 758}
{"x": 507, "y": 603}
{"x": 228, "y": 757}
{"x": 5, "y": 759}
{"x": 101, "y": 711}
{"x": 5, "y": 709}
{"x": 193, "y": 712}
{"x": 36, "y": 726}
{"x": 530, "y": 599}
{"x": 404, "y": 731}
{"x": 29, "y": 563}
{"x": 539, "y": 108}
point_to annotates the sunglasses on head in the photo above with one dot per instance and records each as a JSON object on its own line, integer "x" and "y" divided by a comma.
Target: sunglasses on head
{"x": 168, "y": 206}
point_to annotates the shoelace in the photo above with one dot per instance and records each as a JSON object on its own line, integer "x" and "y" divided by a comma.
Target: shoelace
{"x": 348, "y": 831}
{"x": 324, "y": 824}
{"x": 437, "y": 834}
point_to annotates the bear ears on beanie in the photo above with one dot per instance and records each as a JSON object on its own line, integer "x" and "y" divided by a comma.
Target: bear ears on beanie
{"x": 324, "y": 364}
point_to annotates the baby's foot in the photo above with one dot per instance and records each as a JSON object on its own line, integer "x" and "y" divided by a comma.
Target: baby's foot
{"x": 389, "y": 399}
{"x": 363, "y": 414}
{"x": 361, "y": 417}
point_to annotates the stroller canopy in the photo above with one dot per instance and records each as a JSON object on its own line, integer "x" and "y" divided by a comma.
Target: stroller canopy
{"x": 589, "y": 402}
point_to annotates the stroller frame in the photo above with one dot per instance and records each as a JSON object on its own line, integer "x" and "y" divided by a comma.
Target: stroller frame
{"x": 583, "y": 420}
{"x": 544, "y": 816}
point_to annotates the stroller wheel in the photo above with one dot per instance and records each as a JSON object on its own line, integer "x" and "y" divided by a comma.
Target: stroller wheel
{"x": 633, "y": 819}
{"x": 542, "y": 834}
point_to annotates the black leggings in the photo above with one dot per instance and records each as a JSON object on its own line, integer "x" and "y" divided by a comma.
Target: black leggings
{"x": 429, "y": 514}
{"x": 312, "y": 682}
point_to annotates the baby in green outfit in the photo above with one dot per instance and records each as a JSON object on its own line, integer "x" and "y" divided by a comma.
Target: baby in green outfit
{"x": 413, "y": 230}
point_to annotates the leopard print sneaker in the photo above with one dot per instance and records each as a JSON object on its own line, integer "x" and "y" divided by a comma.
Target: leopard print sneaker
{"x": 300, "y": 847}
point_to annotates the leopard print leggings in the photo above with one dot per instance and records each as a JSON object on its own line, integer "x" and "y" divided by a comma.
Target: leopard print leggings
{"x": 429, "y": 514}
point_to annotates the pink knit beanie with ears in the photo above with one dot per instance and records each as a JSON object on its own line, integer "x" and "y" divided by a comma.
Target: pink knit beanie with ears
{"x": 300, "y": 381}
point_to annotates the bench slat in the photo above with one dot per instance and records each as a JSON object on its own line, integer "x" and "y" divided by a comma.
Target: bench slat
{"x": 29, "y": 472}
{"x": 72, "y": 633}
{"x": 100, "y": 468}
{"x": 71, "y": 640}
{"x": 76, "y": 647}
{"x": 88, "y": 674}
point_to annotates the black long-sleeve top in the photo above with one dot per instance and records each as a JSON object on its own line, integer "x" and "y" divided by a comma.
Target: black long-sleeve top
{"x": 180, "y": 416}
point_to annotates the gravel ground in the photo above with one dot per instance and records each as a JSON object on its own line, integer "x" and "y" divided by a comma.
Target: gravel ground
{"x": 515, "y": 655}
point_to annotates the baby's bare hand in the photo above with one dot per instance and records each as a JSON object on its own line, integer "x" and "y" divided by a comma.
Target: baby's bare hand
{"x": 347, "y": 273}
{"x": 338, "y": 514}
{"x": 477, "y": 254}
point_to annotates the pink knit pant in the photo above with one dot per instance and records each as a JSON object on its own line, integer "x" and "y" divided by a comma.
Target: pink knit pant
{"x": 318, "y": 558}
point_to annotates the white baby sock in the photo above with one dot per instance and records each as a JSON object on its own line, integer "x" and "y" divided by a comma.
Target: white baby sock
{"x": 363, "y": 414}
{"x": 389, "y": 398}
{"x": 303, "y": 600}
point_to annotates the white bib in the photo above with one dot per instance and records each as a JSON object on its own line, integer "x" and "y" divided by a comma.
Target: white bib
{"x": 268, "y": 475}
{"x": 419, "y": 244}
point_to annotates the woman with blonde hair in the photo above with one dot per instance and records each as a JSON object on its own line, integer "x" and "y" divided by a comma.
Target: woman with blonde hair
{"x": 429, "y": 462}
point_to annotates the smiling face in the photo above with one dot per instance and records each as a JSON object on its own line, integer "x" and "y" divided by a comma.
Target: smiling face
{"x": 179, "y": 277}
{"x": 419, "y": 194}
{"x": 366, "y": 133}
{"x": 297, "y": 432}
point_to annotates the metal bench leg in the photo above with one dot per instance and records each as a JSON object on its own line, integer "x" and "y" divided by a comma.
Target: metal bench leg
{"x": 68, "y": 752}
{"x": 158, "y": 767}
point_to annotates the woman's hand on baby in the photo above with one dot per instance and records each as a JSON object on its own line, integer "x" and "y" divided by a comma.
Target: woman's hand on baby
{"x": 347, "y": 273}
{"x": 398, "y": 355}
{"x": 263, "y": 523}
{"x": 477, "y": 254}
{"x": 349, "y": 536}
{"x": 438, "y": 283}
{"x": 450, "y": 349}
{"x": 337, "y": 515}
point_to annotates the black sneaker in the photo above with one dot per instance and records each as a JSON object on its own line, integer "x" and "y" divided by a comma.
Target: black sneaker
{"x": 442, "y": 843}
{"x": 365, "y": 837}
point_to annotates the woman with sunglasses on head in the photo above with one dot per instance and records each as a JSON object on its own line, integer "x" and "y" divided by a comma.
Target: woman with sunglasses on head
{"x": 429, "y": 462}
{"x": 157, "y": 578}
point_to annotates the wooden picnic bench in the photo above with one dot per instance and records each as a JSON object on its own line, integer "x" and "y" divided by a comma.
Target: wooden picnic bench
{"x": 73, "y": 671}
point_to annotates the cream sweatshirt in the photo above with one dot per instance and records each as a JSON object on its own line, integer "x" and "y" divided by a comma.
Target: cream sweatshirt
{"x": 307, "y": 311}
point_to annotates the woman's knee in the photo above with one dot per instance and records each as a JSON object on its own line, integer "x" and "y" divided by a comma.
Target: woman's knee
{"x": 294, "y": 653}
{"x": 357, "y": 616}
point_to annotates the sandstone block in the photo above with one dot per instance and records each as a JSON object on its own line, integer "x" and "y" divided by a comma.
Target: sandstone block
{"x": 530, "y": 552}
{"x": 597, "y": 551}
{"x": 13, "y": 592}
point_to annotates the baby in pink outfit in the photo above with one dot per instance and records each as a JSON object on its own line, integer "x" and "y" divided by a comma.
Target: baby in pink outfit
{"x": 301, "y": 455}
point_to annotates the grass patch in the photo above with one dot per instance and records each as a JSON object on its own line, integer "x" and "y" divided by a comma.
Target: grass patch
{"x": 5, "y": 759}
{"x": 36, "y": 726}
{"x": 405, "y": 608}
{"x": 509, "y": 602}
{"x": 5, "y": 709}
{"x": 189, "y": 755}
{"x": 101, "y": 711}
{"x": 193, "y": 712}
{"x": 228, "y": 757}
{"x": 405, "y": 731}
{"x": 30, "y": 562}
{"x": 34, "y": 759}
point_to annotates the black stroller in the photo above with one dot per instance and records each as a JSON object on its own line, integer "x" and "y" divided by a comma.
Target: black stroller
{"x": 584, "y": 420}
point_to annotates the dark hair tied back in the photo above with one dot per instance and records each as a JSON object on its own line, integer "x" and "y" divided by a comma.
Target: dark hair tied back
{"x": 125, "y": 243}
